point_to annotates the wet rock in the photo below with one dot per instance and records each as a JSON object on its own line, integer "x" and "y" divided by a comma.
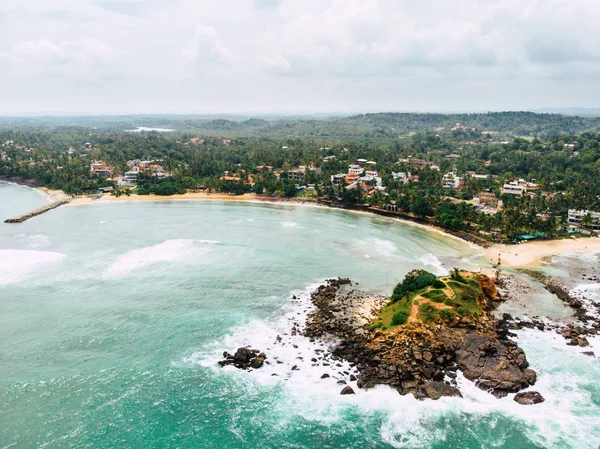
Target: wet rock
{"x": 325, "y": 376}
{"x": 347, "y": 390}
{"x": 244, "y": 358}
{"x": 529, "y": 398}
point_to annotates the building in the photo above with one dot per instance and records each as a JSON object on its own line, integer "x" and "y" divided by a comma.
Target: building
{"x": 100, "y": 169}
{"x": 130, "y": 177}
{"x": 579, "y": 217}
{"x": 451, "y": 181}
{"x": 487, "y": 198}
{"x": 361, "y": 161}
{"x": 356, "y": 169}
{"x": 352, "y": 178}
{"x": 339, "y": 179}
{"x": 518, "y": 187}
{"x": 296, "y": 175}
{"x": 420, "y": 164}
{"x": 371, "y": 176}
{"x": 513, "y": 188}
{"x": 401, "y": 177}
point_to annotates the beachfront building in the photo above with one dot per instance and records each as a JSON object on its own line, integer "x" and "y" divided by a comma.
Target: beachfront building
{"x": 130, "y": 177}
{"x": 586, "y": 218}
{"x": 296, "y": 175}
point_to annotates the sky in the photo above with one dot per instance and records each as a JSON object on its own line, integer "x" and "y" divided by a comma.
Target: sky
{"x": 296, "y": 56}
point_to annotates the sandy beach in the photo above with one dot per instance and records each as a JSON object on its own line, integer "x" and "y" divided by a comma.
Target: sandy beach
{"x": 190, "y": 196}
{"x": 532, "y": 253}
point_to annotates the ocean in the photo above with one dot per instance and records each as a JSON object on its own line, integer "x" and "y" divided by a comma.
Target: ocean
{"x": 113, "y": 316}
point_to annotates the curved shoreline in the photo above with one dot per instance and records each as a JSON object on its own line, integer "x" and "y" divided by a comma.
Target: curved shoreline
{"x": 520, "y": 255}
{"x": 528, "y": 254}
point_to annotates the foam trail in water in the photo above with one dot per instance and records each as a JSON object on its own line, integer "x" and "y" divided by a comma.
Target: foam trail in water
{"x": 16, "y": 265}
{"x": 432, "y": 261}
{"x": 167, "y": 251}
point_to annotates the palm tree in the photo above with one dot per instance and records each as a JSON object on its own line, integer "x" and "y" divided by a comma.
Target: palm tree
{"x": 586, "y": 220}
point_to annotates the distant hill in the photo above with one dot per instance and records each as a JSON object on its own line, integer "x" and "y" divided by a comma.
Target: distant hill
{"x": 582, "y": 112}
{"x": 386, "y": 126}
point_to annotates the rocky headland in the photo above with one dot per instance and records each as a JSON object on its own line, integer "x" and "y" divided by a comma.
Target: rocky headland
{"x": 440, "y": 333}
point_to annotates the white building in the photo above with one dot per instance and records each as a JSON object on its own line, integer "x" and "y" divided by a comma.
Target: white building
{"x": 356, "y": 169}
{"x": 372, "y": 175}
{"x": 576, "y": 216}
{"x": 130, "y": 177}
{"x": 513, "y": 188}
{"x": 451, "y": 181}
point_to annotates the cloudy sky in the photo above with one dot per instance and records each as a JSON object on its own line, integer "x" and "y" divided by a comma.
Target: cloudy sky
{"x": 297, "y": 56}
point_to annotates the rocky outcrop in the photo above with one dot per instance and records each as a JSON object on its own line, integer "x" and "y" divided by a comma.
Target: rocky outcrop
{"x": 244, "y": 358}
{"x": 585, "y": 312}
{"x": 422, "y": 359}
{"x": 529, "y": 398}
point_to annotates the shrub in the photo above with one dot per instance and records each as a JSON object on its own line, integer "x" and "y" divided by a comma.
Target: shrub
{"x": 438, "y": 284}
{"x": 435, "y": 295}
{"x": 461, "y": 310}
{"x": 450, "y": 302}
{"x": 456, "y": 276}
{"x": 399, "y": 318}
{"x": 428, "y": 313}
{"x": 413, "y": 281}
{"x": 446, "y": 314}
{"x": 376, "y": 325}
{"x": 416, "y": 302}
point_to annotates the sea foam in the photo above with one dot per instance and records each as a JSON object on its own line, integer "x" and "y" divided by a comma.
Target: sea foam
{"x": 565, "y": 379}
{"x": 167, "y": 251}
{"x": 16, "y": 264}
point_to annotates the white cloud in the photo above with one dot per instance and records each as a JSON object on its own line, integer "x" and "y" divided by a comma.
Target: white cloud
{"x": 67, "y": 58}
{"x": 207, "y": 50}
{"x": 396, "y": 50}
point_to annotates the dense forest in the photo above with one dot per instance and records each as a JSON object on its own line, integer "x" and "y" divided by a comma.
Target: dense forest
{"x": 560, "y": 154}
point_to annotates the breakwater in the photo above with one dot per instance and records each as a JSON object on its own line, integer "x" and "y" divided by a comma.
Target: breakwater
{"x": 38, "y": 211}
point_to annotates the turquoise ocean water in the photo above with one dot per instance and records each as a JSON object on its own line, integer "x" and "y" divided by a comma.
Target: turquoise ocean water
{"x": 112, "y": 318}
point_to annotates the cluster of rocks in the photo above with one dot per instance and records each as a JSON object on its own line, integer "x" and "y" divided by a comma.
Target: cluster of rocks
{"x": 244, "y": 358}
{"x": 576, "y": 333}
{"x": 421, "y": 359}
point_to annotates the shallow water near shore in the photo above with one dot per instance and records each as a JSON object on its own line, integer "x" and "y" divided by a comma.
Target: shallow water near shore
{"x": 112, "y": 318}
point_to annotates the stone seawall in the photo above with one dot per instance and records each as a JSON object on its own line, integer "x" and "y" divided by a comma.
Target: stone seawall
{"x": 36, "y": 212}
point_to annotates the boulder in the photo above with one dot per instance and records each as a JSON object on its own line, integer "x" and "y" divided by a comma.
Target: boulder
{"x": 529, "y": 398}
{"x": 347, "y": 390}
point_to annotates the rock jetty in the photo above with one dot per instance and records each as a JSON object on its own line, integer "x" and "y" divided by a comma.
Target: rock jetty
{"x": 36, "y": 212}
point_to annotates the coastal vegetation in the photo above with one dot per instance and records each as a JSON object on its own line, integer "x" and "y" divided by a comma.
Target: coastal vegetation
{"x": 424, "y": 298}
{"x": 409, "y": 156}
